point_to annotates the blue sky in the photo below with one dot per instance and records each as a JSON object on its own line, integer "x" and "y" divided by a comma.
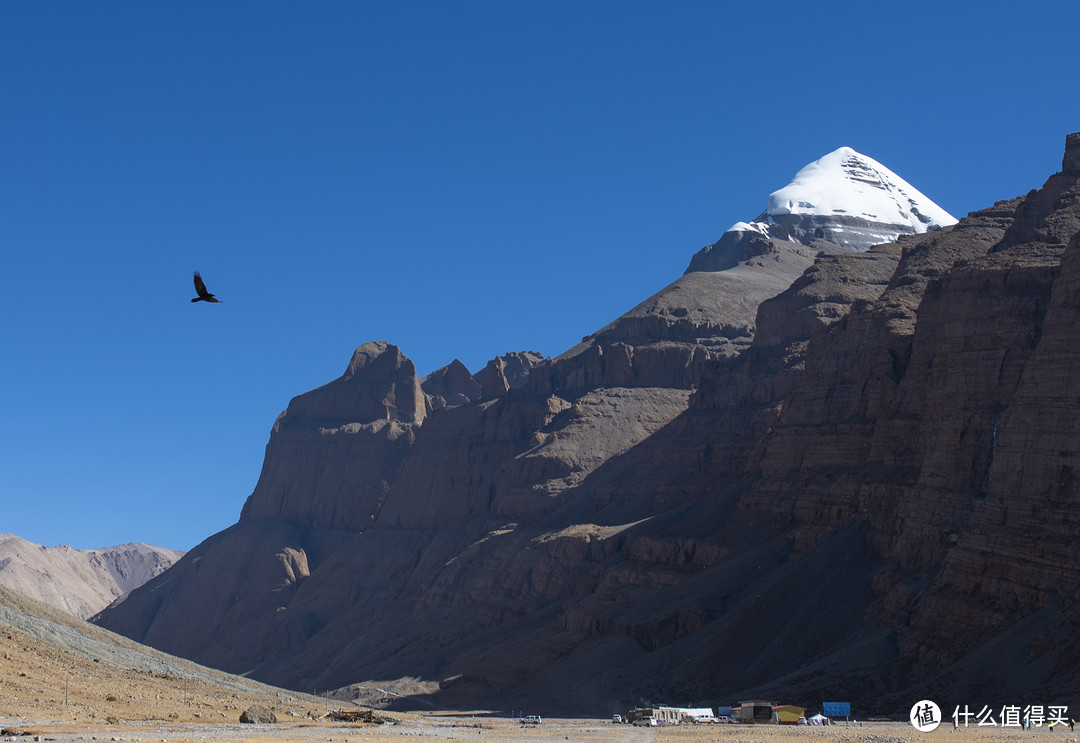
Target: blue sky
{"x": 462, "y": 179}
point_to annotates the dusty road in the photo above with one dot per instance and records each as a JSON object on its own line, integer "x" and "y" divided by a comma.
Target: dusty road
{"x": 456, "y": 727}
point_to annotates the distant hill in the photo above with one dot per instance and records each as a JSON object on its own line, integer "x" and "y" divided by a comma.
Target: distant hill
{"x": 80, "y": 582}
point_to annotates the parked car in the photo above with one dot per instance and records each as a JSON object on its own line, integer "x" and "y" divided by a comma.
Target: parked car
{"x": 530, "y": 720}
{"x": 705, "y": 720}
{"x": 642, "y": 722}
{"x": 616, "y": 718}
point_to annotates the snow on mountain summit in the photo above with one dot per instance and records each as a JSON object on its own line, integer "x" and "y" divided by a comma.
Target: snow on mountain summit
{"x": 848, "y": 199}
{"x": 844, "y": 180}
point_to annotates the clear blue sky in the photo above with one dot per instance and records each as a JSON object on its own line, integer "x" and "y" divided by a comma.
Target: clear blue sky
{"x": 462, "y": 179}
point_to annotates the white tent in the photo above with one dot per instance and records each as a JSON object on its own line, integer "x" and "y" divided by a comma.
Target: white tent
{"x": 818, "y": 719}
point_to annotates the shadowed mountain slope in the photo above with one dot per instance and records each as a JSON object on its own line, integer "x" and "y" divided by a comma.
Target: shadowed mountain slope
{"x": 866, "y": 496}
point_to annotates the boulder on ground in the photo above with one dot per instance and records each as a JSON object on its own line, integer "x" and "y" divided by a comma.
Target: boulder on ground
{"x": 258, "y": 715}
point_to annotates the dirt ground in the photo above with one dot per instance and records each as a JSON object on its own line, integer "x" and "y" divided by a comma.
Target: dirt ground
{"x": 464, "y": 727}
{"x": 39, "y": 682}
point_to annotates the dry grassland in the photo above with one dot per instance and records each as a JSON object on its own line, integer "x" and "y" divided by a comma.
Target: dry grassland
{"x": 70, "y": 687}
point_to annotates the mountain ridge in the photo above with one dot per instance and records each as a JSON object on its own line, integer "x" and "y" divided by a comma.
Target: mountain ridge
{"x": 638, "y": 504}
{"x": 80, "y": 582}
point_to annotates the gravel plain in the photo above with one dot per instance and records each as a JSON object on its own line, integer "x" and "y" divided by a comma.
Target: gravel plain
{"x": 406, "y": 727}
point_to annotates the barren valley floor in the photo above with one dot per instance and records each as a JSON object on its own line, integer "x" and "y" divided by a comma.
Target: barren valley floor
{"x": 482, "y": 729}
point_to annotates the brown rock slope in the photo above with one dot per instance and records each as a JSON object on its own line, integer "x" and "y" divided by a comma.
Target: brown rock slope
{"x": 81, "y": 582}
{"x": 871, "y": 501}
{"x": 366, "y": 484}
{"x": 55, "y": 667}
{"x": 923, "y": 422}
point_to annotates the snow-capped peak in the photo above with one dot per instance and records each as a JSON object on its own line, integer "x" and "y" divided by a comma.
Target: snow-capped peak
{"x": 848, "y": 199}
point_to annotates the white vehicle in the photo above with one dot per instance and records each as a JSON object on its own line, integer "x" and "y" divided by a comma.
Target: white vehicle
{"x": 616, "y": 718}
{"x": 643, "y": 722}
{"x": 531, "y": 720}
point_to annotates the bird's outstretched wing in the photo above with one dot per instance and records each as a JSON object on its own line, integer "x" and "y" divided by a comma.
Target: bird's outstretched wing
{"x": 200, "y": 289}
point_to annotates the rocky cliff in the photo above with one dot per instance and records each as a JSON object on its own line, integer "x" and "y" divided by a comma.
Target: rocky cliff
{"x": 80, "y": 582}
{"x": 804, "y": 476}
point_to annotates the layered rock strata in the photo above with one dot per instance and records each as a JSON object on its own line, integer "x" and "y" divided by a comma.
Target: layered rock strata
{"x": 869, "y": 499}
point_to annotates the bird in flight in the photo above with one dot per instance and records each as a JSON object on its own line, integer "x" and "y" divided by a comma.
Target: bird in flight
{"x": 200, "y": 288}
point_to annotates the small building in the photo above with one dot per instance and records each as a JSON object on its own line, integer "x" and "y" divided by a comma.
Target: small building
{"x": 669, "y": 715}
{"x": 789, "y": 714}
{"x": 693, "y": 714}
{"x": 756, "y": 712}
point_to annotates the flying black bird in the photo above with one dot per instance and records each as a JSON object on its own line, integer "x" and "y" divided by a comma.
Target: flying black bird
{"x": 200, "y": 288}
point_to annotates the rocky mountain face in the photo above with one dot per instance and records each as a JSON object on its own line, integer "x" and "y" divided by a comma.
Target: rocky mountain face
{"x": 80, "y": 582}
{"x": 803, "y": 476}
